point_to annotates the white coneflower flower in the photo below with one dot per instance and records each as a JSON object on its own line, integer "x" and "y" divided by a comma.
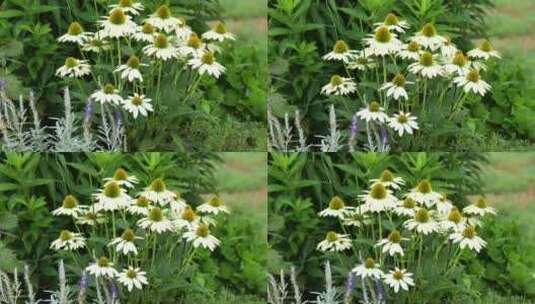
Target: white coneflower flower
{"x": 155, "y": 221}
{"x": 472, "y": 82}
{"x": 163, "y": 20}
{"x": 201, "y": 237}
{"x": 193, "y": 46}
{"x": 399, "y": 278}
{"x": 213, "y": 205}
{"x": 368, "y": 269}
{"x": 102, "y": 268}
{"x": 130, "y": 70}
{"x": 117, "y": 25}
{"x": 122, "y": 178}
{"x": 458, "y": 63}
{"x": 96, "y": 44}
{"x": 218, "y": 33}
{"x": 448, "y": 49}
{"x": 138, "y": 104}
{"x": 406, "y": 207}
{"x": 362, "y": 62}
{"x": 334, "y": 242}
{"x": 427, "y": 66}
{"x": 186, "y": 219}
{"x": 74, "y": 68}
{"x": 75, "y": 34}
{"x": 125, "y": 243}
{"x": 132, "y": 277}
{"x": 422, "y": 222}
{"x": 393, "y": 23}
{"x": 423, "y": 194}
{"x": 161, "y": 48}
{"x": 69, "y": 207}
{"x": 139, "y": 206}
{"x": 157, "y": 192}
{"x": 378, "y": 199}
{"x": 453, "y": 221}
{"x": 339, "y": 86}
{"x": 403, "y": 123}
{"x": 178, "y": 203}
{"x": 468, "y": 238}
{"x": 388, "y": 179}
{"x": 183, "y": 31}
{"x": 484, "y": 51}
{"x": 444, "y": 205}
{"x": 480, "y": 207}
{"x": 391, "y": 244}
{"x": 129, "y": 7}
{"x": 337, "y": 208}
{"x": 145, "y": 33}
{"x": 410, "y": 51}
{"x": 373, "y": 112}
{"x": 396, "y": 88}
{"x": 357, "y": 217}
{"x": 427, "y": 37}
{"x": 68, "y": 241}
{"x": 107, "y": 94}
{"x": 382, "y": 43}
{"x": 91, "y": 218}
{"x": 111, "y": 198}
{"x": 341, "y": 52}
{"x": 206, "y": 63}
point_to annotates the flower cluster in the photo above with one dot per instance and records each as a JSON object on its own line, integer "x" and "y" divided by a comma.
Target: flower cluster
{"x": 417, "y": 215}
{"x": 154, "y": 211}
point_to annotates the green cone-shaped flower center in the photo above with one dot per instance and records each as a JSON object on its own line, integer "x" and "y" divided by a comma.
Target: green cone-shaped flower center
{"x": 459, "y": 59}
{"x": 147, "y": 28}
{"x": 426, "y": 59}
{"x": 399, "y": 80}
{"x": 443, "y": 197}
{"x": 473, "y": 75}
{"x": 429, "y": 30}
{"x": 424, "y": 186}
{"x": 155, "y": 214}
{"x": 455, "y": 216}
{"x": 398, "y": 275}
{"x": 378, "y": 191}
{"x": 469, "y": 232}
{"x": 188, "y": 214}
{"x": 103, "y": 262}
{"x": 161, "y": 42}
{"x": 128, "y": 235}
{"x": 70, "y": 202}
{"x": 402, "y": 118}
{"x": 369, "y": 263}
{"x": 336, "y": 80}
{"x": 448, "y": 39}
{"x": 215, "y": 201}
{"x": 207, "y": 58}
{"x": 120, "y": 174}
{"x": 158, "y": 185}
{"x": 194, "y": 41}
{"x": 131, "y": 273}
{"x": 413, "y": 46}
{"x": 202, "y": 230}
{"x": 386, "y": 176}
{"x": 163, "y": 12}
{"x": 117, "y": 16}
{"x": 91, "y": 216}
{"x": 108, "y": 89}
{"x": 340, "y": 47}
{"x": 220, "y": 28}
{"x": 382, "y": 34}
{"x": 409, "y": 203}
{"x": 331, "y": 236}
{"x": 486, "y": 46}
{"x": 112, "y": 190}
{"x": 65, "y": 235}
{"x": 137, "y": 100}
{"x": 336, "y": 203}
{"x": 482, "y": 203}
{"x": 133, "y": 62}
{"x": 391, "y": 19}
{"x": 142, "y": 202}
{"x": 394, "y": 236}
{"x": 374, "y": 106}
{"x": 75, "y": 29}
{"x": 125, "y": 3}
{"x": 421, "y": 216}
{"x": 71, "y": 62}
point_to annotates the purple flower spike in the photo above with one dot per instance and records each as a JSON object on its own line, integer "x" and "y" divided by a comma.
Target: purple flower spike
{"x": 384, "y": 135}
{"x": 112, "y": 288}
{"x": 354, "y": 125}
{"x": 2, "y": 84}
{"x": 88, "y": 110}
{"x": 82, "y": 283}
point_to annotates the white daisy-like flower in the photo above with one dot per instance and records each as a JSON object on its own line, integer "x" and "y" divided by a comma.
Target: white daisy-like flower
{"x": 389, "y": 180}
{"x": 339, "y": 86}
{"x": 122, "y": 178}
{"x": 382, "y": 43}
{"x": 368, "y": 269}
{"x": 107, "y": 94}
{"x": 145, "y": 33}
{"x": 448, "y": 49}
{"x": 117, "y": 25}
{"x": 68, "y": 241}
{"x": 378, "y": 199}
{"x": 484, "y": 51}
{"x": 393, "y": 23}
{"x": 130, "y": 70}
{"x": 373, "y": 112}
{"x": 406, "y": 207}
{"x": 139, "y": 206}
{"x": 422, "y": 222}
{"x": 102, "y": 268}
{"x": 399, "y": 278}
{"x": 458, "y": 63}
{"x": 410, "y": 51}
{"x": 183, "y": 31}
{"x": 156, "y": 221}
{"x": 218, "y": 33}
{"x": 163, "y": 20}
{"x": 96, "y": 44}
{"x": 214, "y": 205}
{"x": 178, "y": 203}
{"x": 128, "y": 6}
{"x": 157, "y": 192}
{"x": 356, "y": 217}
{"x": 206, "y": 64}
{"x": 444, "y": 205}
{"x": 111, "y": 198}
{"x": 337, "y": 208}
{"x": 454, "y": 220}
{"x": 201, "y": 237}
{"x": 193, "y": 46}
{"x": 186, "y": 219}
{"x": 132, "y": 277}
{"x": 427, "y": 37}
{"x": 427, "y": 66}
{"x": 91, "y": 218}
{"x": 334, "y": 242}
{"x": 125, "y": 243}
{"x": 472, "y": 82}
{"x": 341, "y": 52}
{"x": 362, "y": 62}
{"x": 396, "y": 88}
{"x": 138, "y": 104}
{"x": 391, "y": 244}
{"x": 161, "y": 48}
{"x": 75, "y": 34}
{"x": 480, "y": 207}
{"x": 468, "y": 238}
{"x": 423, "y": 194}
{"x": 70, "y": 207}
{"x": 403, "y": 123}
{"x": 74, "y": 68}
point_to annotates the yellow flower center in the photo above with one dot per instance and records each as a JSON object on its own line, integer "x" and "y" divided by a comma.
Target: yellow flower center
{"x": 429, "y": 30}
{"x": 207, "y": 58}
{"x": 188, "y": 214}
{"x": 336, "y": 203}
{"x": 398, "y": 275}
{"x": 65, "y": 235}
{"x": 369, "y": 263}
{"x": 374, "y": 106}
{"x": 421, "y": 216}
{"x": 459, "y": 59}
{"x": 426, "y": 59}
{"x": 117, "y": 16}
{"x": 382, "y": 34}
{"x": 142, "y": 202}
{"x": 163, "y": 12}
{"x": 386, "y": 176}
{"x": 137, "y": 100}
{"x": 378, "y": 191}
{"x": 331, "y": 236}
{"x": 120, "y": 175}
{"x": 103, "y": 262}
{"x": 409, "y": 203}
{"x": 413, "y": 46}
{"x": 391, "y": 19}
{"x": 455, "y": 216}
{"x": 473, "y": 75}
{"x": 71, "y": 62}
{"x": 75, "y": 29}
{"x": 147, "y": 28}
{"x": 215, "y": 201}
{"x": 128, "y": 235}
{"x": 125, "y": 3}
{"x": 399, "y": 80}
{"x": 194, "y": 41}
{"x": 340, "y": 47}
{"x": 482, "y": 203}
{"x": 424, "y": 186}
{"x": 486, "y": 46}
{"x": 160, "y": 41}
{"x": 394, "y": 236}
{"x": 131, "y": 273}
{"x": 112, "y": 190}
{"x": 155, "y": 214}
{"x": 402, "y": 118}
{"x": 158, "y": 185}
{"x": 220, "y": 28}
{"x": 336, "y": 80}
{"x": 133, "y": 62}
{"x": 469, "y": 232}
{"x": 70, "y": 202}
{"x": 108, "y": 89}
{"x": 202, "y": 230}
